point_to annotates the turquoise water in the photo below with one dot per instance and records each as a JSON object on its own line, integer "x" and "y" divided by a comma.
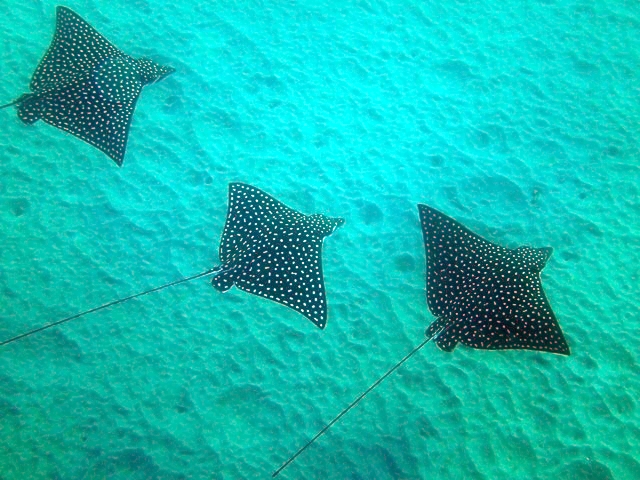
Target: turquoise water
{"x": 519, "y": 119}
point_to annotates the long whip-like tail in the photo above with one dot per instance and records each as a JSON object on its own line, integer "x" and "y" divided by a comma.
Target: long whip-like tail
{"x": 18, "y": 101}
{"x": 9, "y": 104}
{"x": 211, "y": 271}
{"x": 356, "y": 401}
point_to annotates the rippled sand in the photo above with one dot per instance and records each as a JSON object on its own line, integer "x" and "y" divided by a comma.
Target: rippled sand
{"x": 518, "y": 119}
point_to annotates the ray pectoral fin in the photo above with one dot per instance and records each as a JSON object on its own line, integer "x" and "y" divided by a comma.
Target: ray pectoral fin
{"x": 103, "y": 116}
{"x": 76, "y": 47}
{"x": 290, "y": 276}
{"x": 538, "y": 327}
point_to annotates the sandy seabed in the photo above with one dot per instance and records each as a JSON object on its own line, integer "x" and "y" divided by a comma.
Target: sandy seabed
{"x": 518, "y": 119}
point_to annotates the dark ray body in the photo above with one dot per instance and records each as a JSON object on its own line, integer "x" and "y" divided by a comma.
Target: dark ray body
{"x": 86, "y": 86}
{"x": 273, "y": 251}
{"x": 484, "y": 295}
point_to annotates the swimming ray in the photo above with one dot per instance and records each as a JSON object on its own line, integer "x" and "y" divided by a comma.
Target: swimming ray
{"x": 86, "y": 86}
{"x": 272, "y": 251}
{"x": 267, "y": 249}
{"x": 486, "y": 296}
{"x": 483, "y": 295}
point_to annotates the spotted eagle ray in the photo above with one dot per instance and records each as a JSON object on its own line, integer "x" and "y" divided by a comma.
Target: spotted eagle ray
{"x": 86, "y": 86}
{"x": 267, "y": 249}
{"x": 483, "y": 295}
